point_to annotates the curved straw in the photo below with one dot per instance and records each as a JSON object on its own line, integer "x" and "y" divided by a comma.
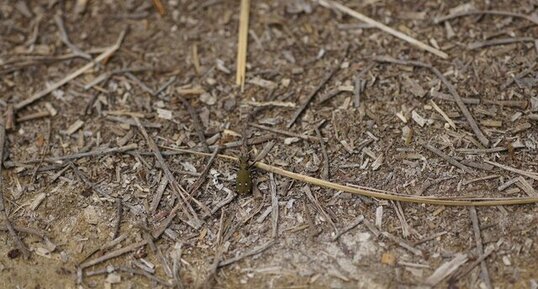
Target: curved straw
{"x": 379, "y": 194}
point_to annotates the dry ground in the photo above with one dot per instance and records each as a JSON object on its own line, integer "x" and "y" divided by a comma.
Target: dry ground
{"x": 379, "y": 141}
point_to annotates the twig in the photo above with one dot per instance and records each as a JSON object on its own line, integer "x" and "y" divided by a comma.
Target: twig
{"x": 210, "y": 279}
{"x": 287, "y": 133}
{"x": 87, "y": 181}
{"x": 325, "y": 171}
{"x": 385, "y": 28}
{"x": 531, "y": 175}
{"x": 310, "y": 97}
{"x": 480, "y": 246}
{"x": 158, "y": 195}
{"x": 266, "y": 149}
{"x": 360, "y": 84}
{"x": 196, "y": 122}
{"x": 519, "y": 75}
{"x": 446, "y": 269}
{"x": 443, "y": 114}
{"x": 107, "y": 53}
{"x": 224, "y": 202}
{"x": 482, "y": 151}
{"x": 490, "y": 12}
{"x": 319, "y": 208}
{"x": 32, "y": 116}
{"x": 119, "y": 210}
{"x": 147, "y": 275}
{"x": 196, "y": 185}
{"x": 274, "y": 204}
{"x": 94, "y": 153}
{"x": 380, "y": 194}
{"x": 402, "y": 244}
{"x": 65, "y": 39}
{"x": 428, "y": 184}
{"x": 357, "y": 221}
{"x": 252, "y": 252}
{"x": 12, "y": 232}
{"x": 27, "y": 230}
{"x": 242, "y": 44}
{"x": 140, "y": 83}
{"x": 447, "y": 158}
{"x": 429, "y": 238}
{"x": 481, "y": 137}
{"x": 471, "y": 266}
{"x": 10, "y": 117}
{"x": 113, "y": 254}
{"x": 180, "y": 192}
{"x": 499, "y": 41}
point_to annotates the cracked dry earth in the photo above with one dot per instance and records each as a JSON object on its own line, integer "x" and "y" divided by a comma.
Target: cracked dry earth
{"x": 175, "y": 73}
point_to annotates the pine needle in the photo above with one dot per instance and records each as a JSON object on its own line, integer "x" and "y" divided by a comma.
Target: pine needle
{"x": 379, "y": 194}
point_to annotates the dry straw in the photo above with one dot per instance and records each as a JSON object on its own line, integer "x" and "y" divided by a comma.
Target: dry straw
{"x": 242, "y": 44}
{"x": 380, "y": 194}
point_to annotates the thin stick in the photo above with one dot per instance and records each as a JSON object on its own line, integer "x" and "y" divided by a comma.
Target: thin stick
{"x": 489, "y": 12}
{"x": 158, "y": 195}
{"x": 325, "y": 170}
{"x": 180, "y": 192}
{"x": 119, "y": 210}
{"x": 27, "y": 230}
{"x": 107, "y": 53}
{"x": 357, "y": 221}
{"x": 385, "y": 28}
{"x": 286, "y": 133}
{"x": 12, "y": 232}
{"x": 147, "y": 275}
{"x": 481, "y": 137}
{"x": 254, "y": 251}
{"x": 531, "y": 175}
{"x": 499, "y": 41}
{"x": 242, "y": 44}
{"x": 310, "y": 97}
{"x": 198, "y": 183}
{"x": 448, "y": 158}
{"x": 380, "y": 194}
{"x": 196, "y": 122}
{"x": 402, "y": 244}
{"x": 66, "y": 41}
{"x": 100, "y": 152}
{"x": 471, "y": 266}
{"x": 443, "y": 114}
{"x": 480, "y": 246}
{"x": 519, "y": 75}
{"x": 113, "y": 254}
{"x": 274, "y": 204}
{"x": 318, "y": 206}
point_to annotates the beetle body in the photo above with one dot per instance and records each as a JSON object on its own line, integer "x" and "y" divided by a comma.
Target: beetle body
{"x": 243, "y": 183}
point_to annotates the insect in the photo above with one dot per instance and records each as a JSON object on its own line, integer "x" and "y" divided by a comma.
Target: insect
{"x": 243, "y": 183}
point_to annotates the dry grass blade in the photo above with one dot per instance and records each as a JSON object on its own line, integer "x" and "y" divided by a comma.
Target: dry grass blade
{"x": 242, "y": 44}
{"x": 379, "y": 194}
{"x": 396, "y": 33}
